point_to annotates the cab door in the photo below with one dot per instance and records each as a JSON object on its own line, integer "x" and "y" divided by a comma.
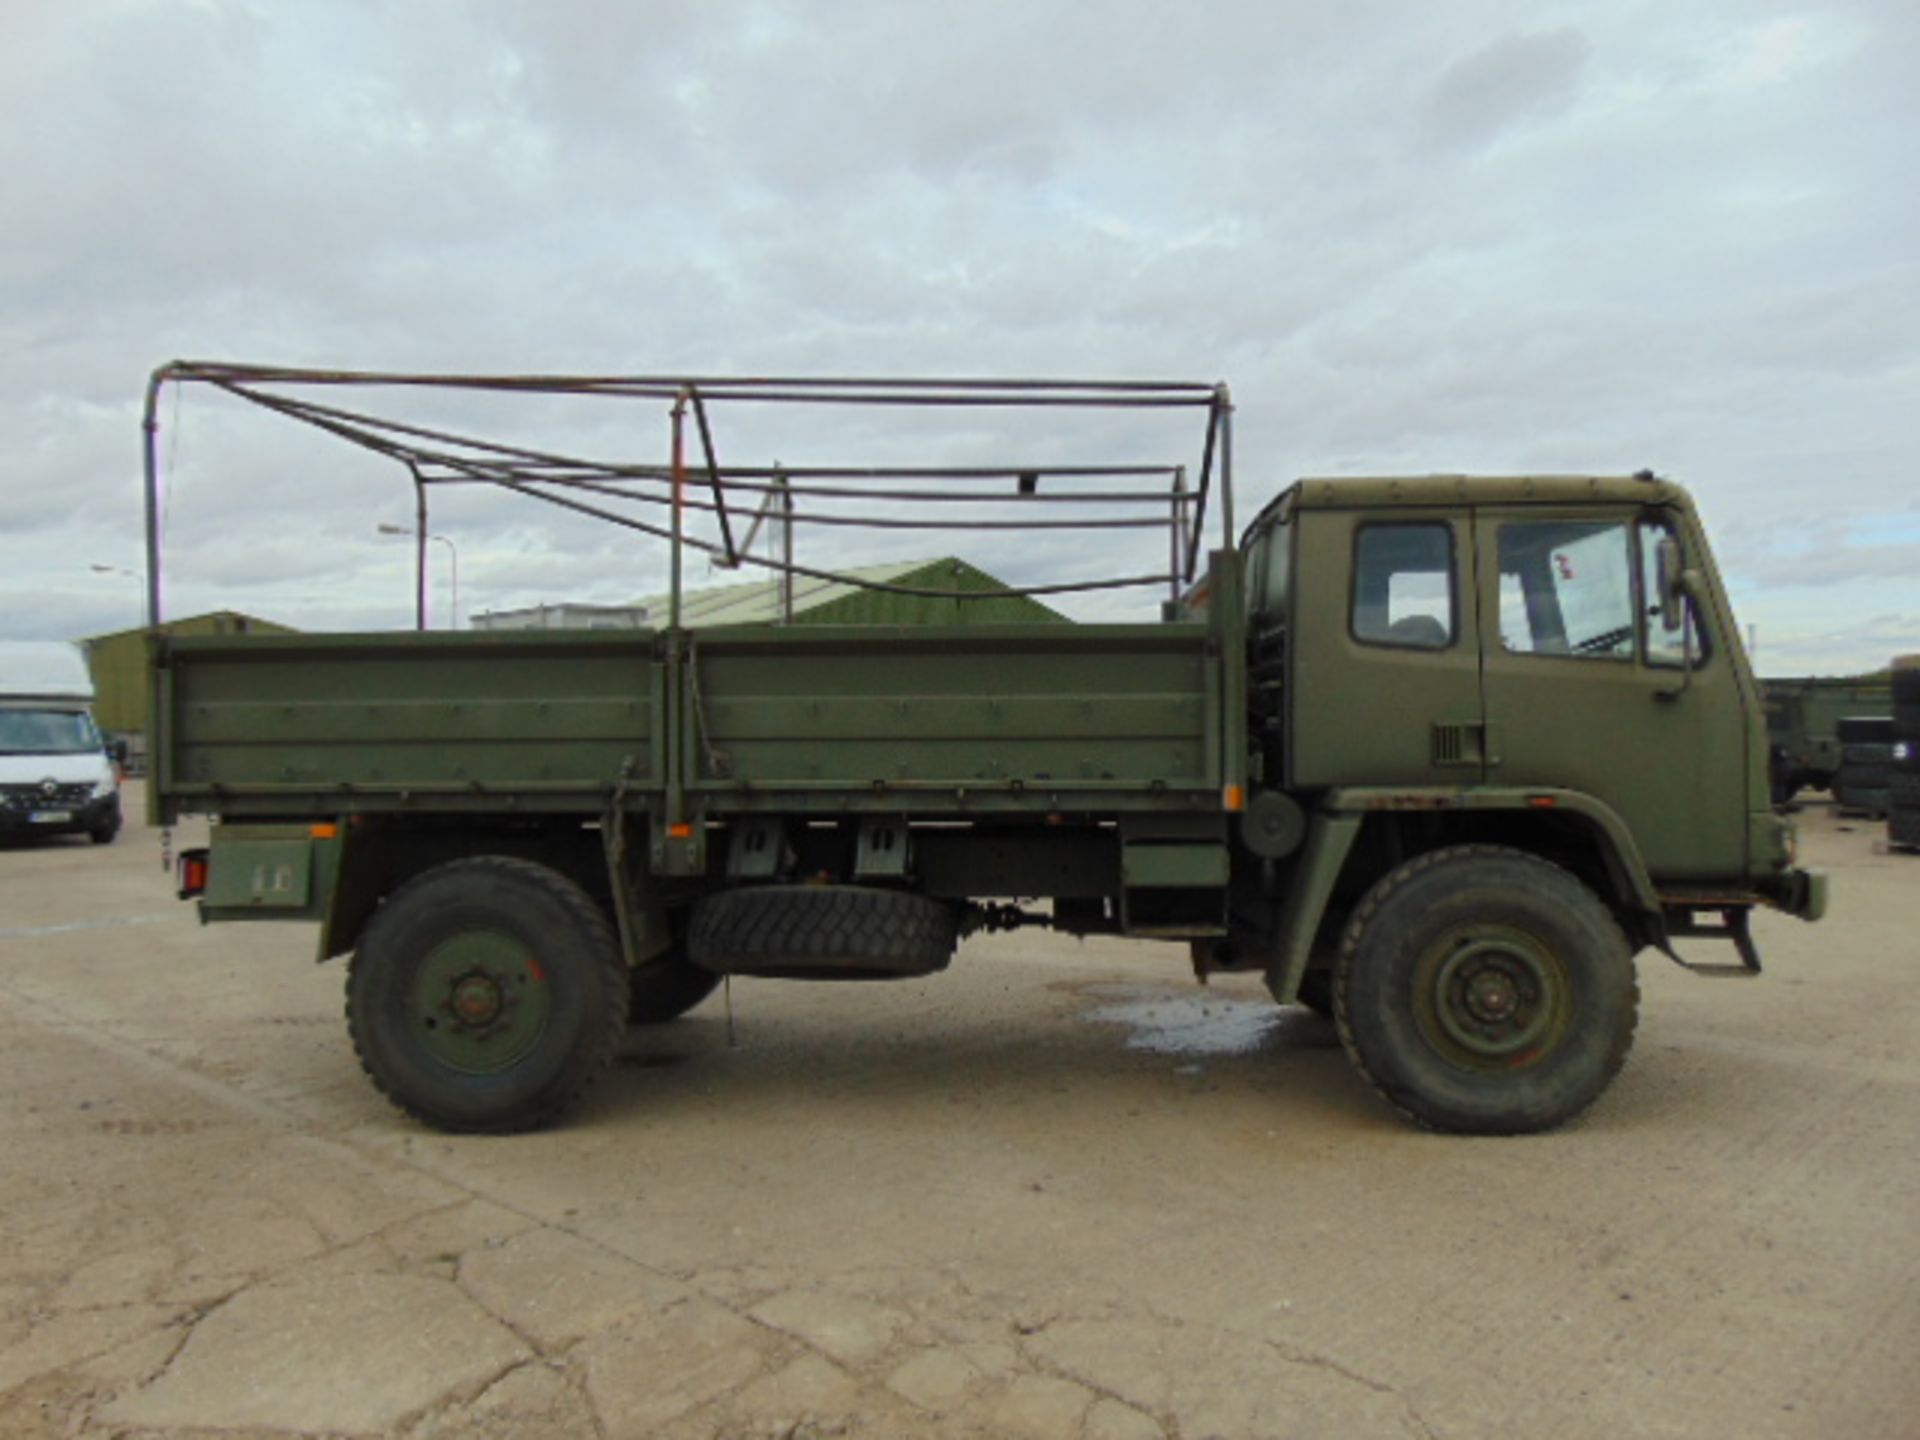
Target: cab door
{"x": 1587, "y": 689}
{"x": 1384, "y": 660}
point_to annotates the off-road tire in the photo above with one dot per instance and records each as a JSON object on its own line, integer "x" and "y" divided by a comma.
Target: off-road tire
{"x": 1870, "y": 800}
{"x": 495, "y": 915}
{"x": 666, "y": 987}
{"x": 843, "y": 932}
{"x": 1412, "y": 960}
{"x": 1906, "y": 680}
{"x": 1863, "y": 730}
{"x": 1864, "y": 777}
{"x": 1903, "y": 827}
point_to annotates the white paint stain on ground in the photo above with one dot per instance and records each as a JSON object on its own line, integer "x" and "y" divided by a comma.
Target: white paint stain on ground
{"x": 1194, "y": 1025}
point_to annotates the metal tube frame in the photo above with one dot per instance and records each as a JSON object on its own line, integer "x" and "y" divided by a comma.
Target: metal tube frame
{"x": 437, "y": 457}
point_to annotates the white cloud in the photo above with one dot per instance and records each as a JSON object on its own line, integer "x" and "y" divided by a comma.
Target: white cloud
{"x": 1411, "y": 237}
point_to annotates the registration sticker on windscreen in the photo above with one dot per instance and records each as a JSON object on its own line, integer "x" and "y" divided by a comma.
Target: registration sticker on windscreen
{"x": 50, "y": 817}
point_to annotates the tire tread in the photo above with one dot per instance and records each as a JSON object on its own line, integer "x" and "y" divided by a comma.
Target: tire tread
{"x": 589, "y": 1060}
{"x": 1377, "y": 897}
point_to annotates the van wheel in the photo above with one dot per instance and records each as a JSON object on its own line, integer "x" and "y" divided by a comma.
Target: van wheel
{"x": 1486, "y": 991}
{"x": 486, "y": 995}
{"x": 103, "y": 834}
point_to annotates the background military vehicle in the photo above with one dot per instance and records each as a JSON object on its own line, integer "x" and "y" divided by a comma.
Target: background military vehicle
{"x": 1803, "y": 727}
{"x": 1437, "y": 756}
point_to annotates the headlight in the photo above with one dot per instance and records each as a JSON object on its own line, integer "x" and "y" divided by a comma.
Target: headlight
{"x": 103, "y": 788}
{"x": 1903, "y": 751}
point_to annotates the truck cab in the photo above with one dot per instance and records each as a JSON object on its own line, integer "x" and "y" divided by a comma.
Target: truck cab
{"x": 1548, "y": 656}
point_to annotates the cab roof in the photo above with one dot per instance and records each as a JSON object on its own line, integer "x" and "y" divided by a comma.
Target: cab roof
{"x": 1430, "y": 491}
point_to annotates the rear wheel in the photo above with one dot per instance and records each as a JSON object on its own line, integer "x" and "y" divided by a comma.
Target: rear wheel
{"x": 486, "y": 995}
{"x": 666, "y": 987}
{"x": 1484, "y": 990}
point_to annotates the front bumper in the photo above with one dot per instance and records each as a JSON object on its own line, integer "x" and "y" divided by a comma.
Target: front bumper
{"x": 1801, "y": 893}
{"x": 59, "y": 817}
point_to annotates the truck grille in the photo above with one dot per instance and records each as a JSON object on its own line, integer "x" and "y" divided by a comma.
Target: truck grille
{"x": 38, "y": 797}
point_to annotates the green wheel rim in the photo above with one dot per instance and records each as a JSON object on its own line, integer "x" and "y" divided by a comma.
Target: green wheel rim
{"x": 480, "y": 1002}
{"x": 1492, "y": 998}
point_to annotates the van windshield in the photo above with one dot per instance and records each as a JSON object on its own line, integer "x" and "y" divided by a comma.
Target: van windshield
{"x": 47, "y": 732}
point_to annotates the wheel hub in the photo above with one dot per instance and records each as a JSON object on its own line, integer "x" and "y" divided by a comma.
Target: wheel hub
{"x": 481, "y": 1001}
{"x": 478, "y": 1000}
{"x": 1494, "y": 996}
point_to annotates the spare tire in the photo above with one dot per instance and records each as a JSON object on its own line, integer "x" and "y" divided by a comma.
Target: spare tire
{"x": 1864, "y": 730}
{"x": 1863, "y": 799}
{"x": 1863, "y": 777}
{"x": 1906, "y": 680}
{"x": 822, "y": 932}
{"x": 1903, "y": 828}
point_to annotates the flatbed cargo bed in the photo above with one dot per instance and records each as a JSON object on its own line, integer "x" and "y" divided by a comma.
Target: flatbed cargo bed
{"x": 931, "y": 720}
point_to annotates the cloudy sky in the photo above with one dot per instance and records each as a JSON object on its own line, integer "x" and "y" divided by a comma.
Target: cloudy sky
{"x": 1474, "y": 236}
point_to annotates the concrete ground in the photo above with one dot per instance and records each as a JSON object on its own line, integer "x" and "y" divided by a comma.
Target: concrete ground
{"x": 1058, "y": 1192}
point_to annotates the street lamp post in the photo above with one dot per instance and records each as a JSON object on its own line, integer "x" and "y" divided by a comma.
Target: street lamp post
{"x": 125, "y": 574}
{"x": 453, "y": 564}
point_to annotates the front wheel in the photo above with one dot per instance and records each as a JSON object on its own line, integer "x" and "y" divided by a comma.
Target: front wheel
{"x": 1486, "y": 991}
{"x": 486, "y": 995}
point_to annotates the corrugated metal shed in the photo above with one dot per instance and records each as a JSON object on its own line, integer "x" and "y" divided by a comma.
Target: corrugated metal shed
{"x": 832, "y": 602}
{"x": 119, "y": 664}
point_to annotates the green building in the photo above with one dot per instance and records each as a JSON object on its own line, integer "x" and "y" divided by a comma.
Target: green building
{"x": 119, "y": 664}
{"x": 834, "y": 602}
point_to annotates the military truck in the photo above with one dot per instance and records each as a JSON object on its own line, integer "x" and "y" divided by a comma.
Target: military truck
{"x": 1803, "y": 725}
{"x": 1436, "y": 756}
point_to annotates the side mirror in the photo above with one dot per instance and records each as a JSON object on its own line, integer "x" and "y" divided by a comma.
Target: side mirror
{"x": 117, "y": 749}
{"x": 1670, "y": 585}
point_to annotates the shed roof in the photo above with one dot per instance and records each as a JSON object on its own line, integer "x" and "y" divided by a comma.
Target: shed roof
{"x": 210, "y": 621}
{"x": 757, "y": 602}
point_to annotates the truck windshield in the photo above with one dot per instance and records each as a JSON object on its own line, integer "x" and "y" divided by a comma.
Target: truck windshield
{"x": 47, "y": 732}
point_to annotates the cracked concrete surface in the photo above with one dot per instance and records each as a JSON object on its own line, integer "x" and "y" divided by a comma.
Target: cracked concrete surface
{"x": 974, "y": 1206}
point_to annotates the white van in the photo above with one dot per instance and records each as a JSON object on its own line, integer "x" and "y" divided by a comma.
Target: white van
{"x": 56, "y": 777}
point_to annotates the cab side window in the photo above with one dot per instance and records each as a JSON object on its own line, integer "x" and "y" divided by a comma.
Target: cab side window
{"x": 1269, "y": 591}
{"x": 1567, "y": 588}
{"x": 1403, "y": 586}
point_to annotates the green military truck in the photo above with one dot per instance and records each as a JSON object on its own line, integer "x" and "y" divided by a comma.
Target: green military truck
{"x": 1805, "y": 751}
{"x": 1436, "y": 756}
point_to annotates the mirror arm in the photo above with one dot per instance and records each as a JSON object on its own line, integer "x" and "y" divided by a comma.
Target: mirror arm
{"x": 1687, "y": 590}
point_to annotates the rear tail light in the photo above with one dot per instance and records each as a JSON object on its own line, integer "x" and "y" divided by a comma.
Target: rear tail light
{"x": 191, "y": 869}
